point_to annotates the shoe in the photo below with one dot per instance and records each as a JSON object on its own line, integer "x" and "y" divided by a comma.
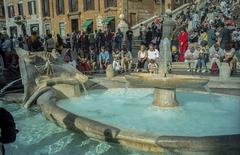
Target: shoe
{"x": 204, "y": 70}
{"x": 198, "y": 70}
{"x": 189, "y": 70}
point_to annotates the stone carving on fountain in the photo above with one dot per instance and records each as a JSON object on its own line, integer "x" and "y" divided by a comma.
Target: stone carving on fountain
{"x": 41, "y": 69}
{"x": 165, "y": 84}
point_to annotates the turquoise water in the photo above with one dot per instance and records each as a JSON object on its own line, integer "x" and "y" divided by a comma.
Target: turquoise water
{"x": 38, "y": 136}
{"x": 198, "y": 115}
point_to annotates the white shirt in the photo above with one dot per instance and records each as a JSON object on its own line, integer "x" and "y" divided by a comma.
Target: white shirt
{"x": 153, "y": 55}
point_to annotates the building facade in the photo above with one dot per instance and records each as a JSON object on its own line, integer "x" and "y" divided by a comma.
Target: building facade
{"x": 2, "y": 16}
{"x": 66, "y": 16}
{"x": 73, "y": 15}
{"x": 23, "y": 17}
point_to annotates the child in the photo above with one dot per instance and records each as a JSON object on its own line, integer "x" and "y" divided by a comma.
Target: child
{"x": 152, "y": 67}
{"x": 201, "y": 61}
{"x": 116, "y": 60}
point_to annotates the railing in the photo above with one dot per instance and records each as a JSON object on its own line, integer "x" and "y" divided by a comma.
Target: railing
{"x": 175, "y": 12}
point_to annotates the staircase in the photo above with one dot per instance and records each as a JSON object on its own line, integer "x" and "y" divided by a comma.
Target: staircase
{"x": 151, "y": 18}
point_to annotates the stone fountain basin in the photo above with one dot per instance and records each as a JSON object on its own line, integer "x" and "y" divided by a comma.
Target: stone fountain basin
{"x": 168, "y": 82}
{"x": 145, "y": 141}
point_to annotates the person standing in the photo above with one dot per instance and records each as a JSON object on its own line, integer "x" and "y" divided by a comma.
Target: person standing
{"x": 212, "y": 38}
{"x": 129, "y": 35}
{"x": 149, "y": 36}
{"x": 68, "y": 41}
{"x": 50, "y": 43}
{"x": 118, "y": 39}
{"x": 183, "y": 43}
{"x": 224, "y": 36}
{"x": 142, "y": 31}
{"x": 59, "y": 44}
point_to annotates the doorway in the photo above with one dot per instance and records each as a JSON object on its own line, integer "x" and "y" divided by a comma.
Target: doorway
{"x": 74, "y": 25}
{"x": 133, "y": 19}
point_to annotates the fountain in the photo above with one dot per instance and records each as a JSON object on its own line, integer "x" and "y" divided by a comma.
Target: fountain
{"x": 165, "y": 84}
{"x": 182, "y": 122}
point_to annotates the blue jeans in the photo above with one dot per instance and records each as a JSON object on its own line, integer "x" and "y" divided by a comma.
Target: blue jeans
{"x": 201, "y": 63}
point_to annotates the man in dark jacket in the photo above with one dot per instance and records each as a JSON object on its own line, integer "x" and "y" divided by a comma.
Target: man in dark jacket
{"x": 8, "y": 128}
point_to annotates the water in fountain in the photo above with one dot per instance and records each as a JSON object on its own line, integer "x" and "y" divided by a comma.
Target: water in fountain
{"x": 199, "y": 114}
{"x": 37, "y": 136}
{"x": 9, "y": 85}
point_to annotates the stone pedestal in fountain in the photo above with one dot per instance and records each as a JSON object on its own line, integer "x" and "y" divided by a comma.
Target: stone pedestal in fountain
{"x": 165, "y": 98}
{"x": 224, "y": 71}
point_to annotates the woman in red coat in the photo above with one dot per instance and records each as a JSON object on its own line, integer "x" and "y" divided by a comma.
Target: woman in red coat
{"x": 183, "y": 43}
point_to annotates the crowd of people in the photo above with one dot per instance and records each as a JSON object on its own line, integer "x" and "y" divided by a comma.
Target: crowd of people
{"x": 206, "y": 32}
{"x": 210, "y": 34}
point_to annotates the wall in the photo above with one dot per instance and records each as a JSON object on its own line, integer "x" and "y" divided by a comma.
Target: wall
{"x": 29, "y": 21}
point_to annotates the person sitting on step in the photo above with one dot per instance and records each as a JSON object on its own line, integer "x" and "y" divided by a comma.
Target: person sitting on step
{"x": 116, "y": 60}
{"x": 215, "y": 56}
{"x": 126, "y": 60}
{"x": 152, "y": 67}
{"x": 191, "y": 56}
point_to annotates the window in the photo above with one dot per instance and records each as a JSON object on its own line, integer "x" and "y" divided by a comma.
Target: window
{"x": 32, "y": 7}
{"x": 2, "y": 13}
{"x": 73, "y": 5}
{"x": 89, "y": 5}
{"x": 110, "y": 3}
{"x": 20, "y": 9}
{"x": 60, "y": 7}
{"x": 45, "y": 8}
{"x": 11, "y": 12}
{"x": 61, "y": 29}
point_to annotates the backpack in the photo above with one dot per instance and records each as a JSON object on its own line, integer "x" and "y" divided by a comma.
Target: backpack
{"x": 37, "y": 45}
{"x": 214, "y": 68}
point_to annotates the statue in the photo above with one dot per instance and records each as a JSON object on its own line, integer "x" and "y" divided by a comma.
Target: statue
{"x": 165, "y": 45}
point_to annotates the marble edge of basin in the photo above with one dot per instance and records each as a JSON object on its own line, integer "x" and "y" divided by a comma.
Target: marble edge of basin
{"x": 145, "y": 141}
{"x": 169, "y": 82}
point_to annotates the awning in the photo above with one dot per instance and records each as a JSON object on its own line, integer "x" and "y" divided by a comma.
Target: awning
{"x": 108, "y": 20}
{"x": 87, "y": 23}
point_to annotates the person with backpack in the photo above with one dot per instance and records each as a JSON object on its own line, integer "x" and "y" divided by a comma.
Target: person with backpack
{"x": 8, "y": 129}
